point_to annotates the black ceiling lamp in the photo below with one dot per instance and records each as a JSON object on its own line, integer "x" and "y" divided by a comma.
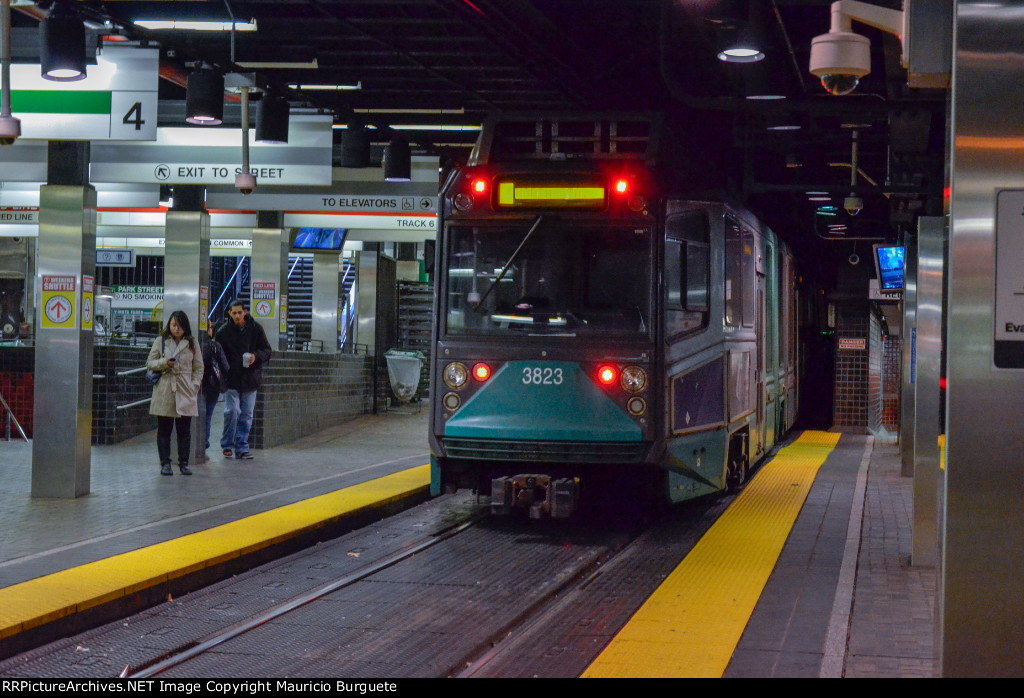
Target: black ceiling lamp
{"x": 62, "y": 45}
{"x": 397, "y": 160}
{"x": 204, "y": 97}
{"x": 355, "y": 145}
{"x": 272, "y": 118}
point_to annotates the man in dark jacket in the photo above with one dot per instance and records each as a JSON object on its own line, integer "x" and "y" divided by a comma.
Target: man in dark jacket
{"x": 247, "y": 349}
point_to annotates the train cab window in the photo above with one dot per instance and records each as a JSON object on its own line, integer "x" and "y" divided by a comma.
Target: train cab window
{"x": 739, "y": 275}
{"x": 565, "y": 278}
{"x": 687, "y": 270}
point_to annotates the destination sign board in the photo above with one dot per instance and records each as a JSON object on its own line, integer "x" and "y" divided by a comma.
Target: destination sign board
{"x": 117, "y": 100}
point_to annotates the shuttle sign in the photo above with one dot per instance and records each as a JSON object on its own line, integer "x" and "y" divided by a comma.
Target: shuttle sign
{"x": 58, "y": 302}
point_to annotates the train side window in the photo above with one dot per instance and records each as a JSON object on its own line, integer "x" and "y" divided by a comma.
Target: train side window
{"x": 687, "y": 262}
{"x": 733, "y": 274}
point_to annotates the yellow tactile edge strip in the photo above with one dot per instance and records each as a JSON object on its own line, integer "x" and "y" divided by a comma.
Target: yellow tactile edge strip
{"x": 691, "y": 624}
{"x": 45, "y": 599}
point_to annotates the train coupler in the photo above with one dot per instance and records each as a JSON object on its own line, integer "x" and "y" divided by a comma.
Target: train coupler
{"x": 539, "y": 494}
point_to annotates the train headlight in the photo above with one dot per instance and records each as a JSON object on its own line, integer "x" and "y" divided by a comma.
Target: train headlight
{"x": 455, "y": 375}
{"x": 451, "y": 401}
{"x": 463, "y": 201}
{"x": 636, "y": 406}
{"x": 634, "y": 379}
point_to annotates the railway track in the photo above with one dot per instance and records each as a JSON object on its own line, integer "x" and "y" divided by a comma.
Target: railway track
{"x": 438, "y": 591}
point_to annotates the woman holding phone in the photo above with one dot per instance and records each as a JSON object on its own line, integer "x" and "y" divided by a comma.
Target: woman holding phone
{"x": 176, "y": 356}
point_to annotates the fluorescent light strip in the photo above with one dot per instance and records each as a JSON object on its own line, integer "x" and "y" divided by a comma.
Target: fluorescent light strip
{"x": 434, "y": 127}
{"x": 281, "y": 65}
{"x": 328, "y": 88}
{"x": 410, "y": 111}
{"x": 190, "y": 25}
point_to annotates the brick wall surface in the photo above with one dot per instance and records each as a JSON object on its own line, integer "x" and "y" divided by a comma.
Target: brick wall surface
{"x": 850, "y": 403}
{"x": 303, "y": 393}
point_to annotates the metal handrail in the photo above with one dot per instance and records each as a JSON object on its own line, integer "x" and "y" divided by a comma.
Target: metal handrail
{"x": 10, "y": 416}
{"x": 131, "y": 371}
{"x": 133, "y": 404}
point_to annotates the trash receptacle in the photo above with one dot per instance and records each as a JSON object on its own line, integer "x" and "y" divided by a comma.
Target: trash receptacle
{"x": 404, "y": 372}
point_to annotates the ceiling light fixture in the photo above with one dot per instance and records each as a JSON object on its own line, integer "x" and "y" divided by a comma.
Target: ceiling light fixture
{"x": 62, "y": 45}
{"x": 435, "y": 127}
{"x": 327, "y": 88}
{"x": 741, "y": 43}
{"x": 355, "y": 146}
{"x": 397, "y": 161}
{"x": 10, "y": 127}
{"x": 194, "y": 25}
{"x": 204, "y": 97}
{"x": 841, "y": 57}
{"x": 272, "y": 118}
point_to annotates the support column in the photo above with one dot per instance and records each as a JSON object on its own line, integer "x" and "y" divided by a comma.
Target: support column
{"x": 187, "y": 277}
{"x": 909, "y": 358}
{"x": 65, "y": 273}
{"x": 983, "y": 546}
{"x": 927, "y": 476}
{"x": 366, "y": 312}
{"x": 270, "y": 277}
{"x": 325, "y": 300}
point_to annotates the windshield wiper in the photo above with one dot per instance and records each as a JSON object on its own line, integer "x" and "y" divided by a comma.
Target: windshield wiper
{"x": 508, "y": 264}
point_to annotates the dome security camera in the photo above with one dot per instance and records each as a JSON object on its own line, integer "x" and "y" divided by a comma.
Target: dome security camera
{"x": 840, "y": 59}
{"x": 10, "y": 130}
{"x": 853, "y": 205}
{"x": 245, "y": 183}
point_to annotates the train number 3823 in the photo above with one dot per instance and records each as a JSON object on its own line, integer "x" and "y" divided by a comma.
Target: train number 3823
{"x": 542, "y": 376}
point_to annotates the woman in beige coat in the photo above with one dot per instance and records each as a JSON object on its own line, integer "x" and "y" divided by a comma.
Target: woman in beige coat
{"x": 177, "y": 357}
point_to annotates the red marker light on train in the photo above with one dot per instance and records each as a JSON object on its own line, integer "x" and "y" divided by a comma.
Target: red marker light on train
{"x": 607, "y": 375}
{"x": 621, "y": 186}
{"x": 479, "y": 186}
{"x": 481, "y": 372}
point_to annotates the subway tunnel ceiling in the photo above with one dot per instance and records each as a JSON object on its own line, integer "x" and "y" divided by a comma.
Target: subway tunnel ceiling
{"x": 467, "y": 59}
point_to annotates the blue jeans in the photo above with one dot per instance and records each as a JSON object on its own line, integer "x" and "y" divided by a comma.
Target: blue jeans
{"x": 211, "y": 405}
{"x": 238, "y": 408}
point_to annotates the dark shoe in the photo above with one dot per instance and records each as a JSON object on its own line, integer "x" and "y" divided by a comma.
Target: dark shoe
{"x": 183, "y": 467}
{"x": 165, "y": 469}
{"x": 227, "y": 452}
{"x": 245, "y": 456}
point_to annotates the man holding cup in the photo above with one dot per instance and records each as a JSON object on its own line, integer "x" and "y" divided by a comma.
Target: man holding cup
{"x": 247, "y": 350}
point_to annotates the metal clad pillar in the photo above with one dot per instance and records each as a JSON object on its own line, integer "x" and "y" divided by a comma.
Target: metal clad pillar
{"x": 325, "y": 300}
{"x": 186, "y": 271}
{"x": 270, "y": 275}
{"x": 981, "y": 604}
{"x": 927, "y": 476}
{"x": 908, "y": 352}
{"x": 65, "y": 258}
{"x": 366, "y": 315}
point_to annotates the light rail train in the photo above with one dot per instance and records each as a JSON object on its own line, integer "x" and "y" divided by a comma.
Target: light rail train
{"x": 597, "y": 331}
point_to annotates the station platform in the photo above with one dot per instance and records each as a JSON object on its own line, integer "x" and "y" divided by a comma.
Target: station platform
{"x": 841, "y": 601}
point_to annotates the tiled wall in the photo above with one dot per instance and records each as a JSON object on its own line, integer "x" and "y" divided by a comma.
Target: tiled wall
{"x": 17, "y": 386}
{"x": 874, "y": 373}
{"x": 891, "y": 364}
{"x": 303, "y": 393}
{"x": 850, "y": 404}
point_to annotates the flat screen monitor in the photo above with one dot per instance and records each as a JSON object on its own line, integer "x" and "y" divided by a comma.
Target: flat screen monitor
{"x": 890, "y": 262}
{"x": 312, "y": 239}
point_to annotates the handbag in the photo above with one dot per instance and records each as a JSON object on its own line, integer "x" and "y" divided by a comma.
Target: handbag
{"x": 154, "y": 376}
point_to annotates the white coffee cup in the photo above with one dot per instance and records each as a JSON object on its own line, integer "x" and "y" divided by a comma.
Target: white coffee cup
{"x": 247, "y": 359}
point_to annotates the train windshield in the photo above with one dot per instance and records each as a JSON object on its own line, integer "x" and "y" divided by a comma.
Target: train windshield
{"x": 549, "y": 277}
